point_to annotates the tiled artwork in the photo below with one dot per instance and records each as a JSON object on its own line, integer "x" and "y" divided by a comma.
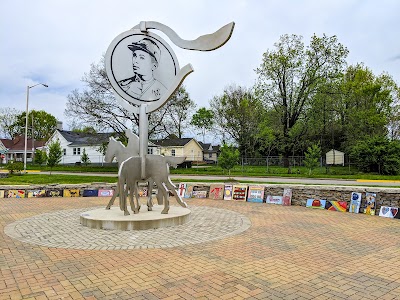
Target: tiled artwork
{"x": 54, "y": 193}
{"x": 143, "y": 192}
{"x": 71, "y": 193}
{"x": 355, "y": 203}
{"x": 90, "y": 193}
{"x": 389, "y": 212}
{"x": 216, "y": 191}
{"x": 182, "y": 189}
{"x": 287, "y": 197}
{"x": 36, "y": 193}
{"x": 228, "y": 191}
{"x": 256, "y": 194}
{"x": 200, "y": 191}
{"x": 316, "y": 203}
{"x": 336, "y": 205}
{"x": 16, "y": 194}
{"x": 239, "y": 192}
{"x": 189, "y": 190}
{"x": 105, "y": 193}
{"x": 274, "y": 199}
{"x": 370, "y": 204}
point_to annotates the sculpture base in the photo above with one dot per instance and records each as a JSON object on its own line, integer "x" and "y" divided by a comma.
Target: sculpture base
{"x": 114, "y": 218}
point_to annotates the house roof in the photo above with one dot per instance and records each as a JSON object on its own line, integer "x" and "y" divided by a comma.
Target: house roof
{"x": 172, "y": 142}
{"x": 80, "y": 139}
{"x": 208, "y": 148}
{"x": 18, "y": 143}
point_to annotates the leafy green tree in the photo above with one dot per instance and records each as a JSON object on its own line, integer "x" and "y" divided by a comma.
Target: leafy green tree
{"x": 40, "y": 123}
{"x": 85, "y": 129}
{"x": 203, "y": 120}
{"x": 237, "y": 114}
{"x": 228, "y": 157}
{"x": 377, "y": 154}
{"x": 14, "y": 167}
{"x": 8, "y": 117}
{"x": 85, "y": 158}
{"x": 40, "y": 157}
{"x": 55, "y": 154}
{"x": 290, "y": 75}
{"x": 312, "y": 157}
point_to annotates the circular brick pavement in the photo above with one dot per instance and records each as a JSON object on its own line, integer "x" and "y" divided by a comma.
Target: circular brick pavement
{"x": 62, "y": 229}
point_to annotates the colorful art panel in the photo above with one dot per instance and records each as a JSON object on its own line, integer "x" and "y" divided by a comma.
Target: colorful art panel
{"x": 216, "y": 191}
{"x": 189, "y": 191}
{"x": 71, "y": 193}
{"x": 239, "y": 192}
{"x": 16, "y": 194}
{"x": 255, "y": 194}
{"x": 370, "y": 204}
{"x": 2, "y": 193}
{"x": 389, "y": 212}
{"x": 336, "y": 206}
{"x": 182, "y": 189}
{"x": 316, "y": 203}
{"x": 90, "y": 193}
{"x": 54, "y": 193}
{"x": 287, "y": 197}
{"x": 228, "y": 191}
{"x": 143, "y": 192}
{"x": 106, "y": 193}
{"x": 200, "y": 191}
{"x": 36, "y": 193}
{"x": 274, "y": 199}
{"x": 355, "y": 203}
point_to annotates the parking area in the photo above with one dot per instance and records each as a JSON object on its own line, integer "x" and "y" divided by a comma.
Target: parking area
{"x": 229, "y": 250}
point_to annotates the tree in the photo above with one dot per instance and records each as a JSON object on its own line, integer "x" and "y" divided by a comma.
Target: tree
{"x": 228, "y": 157}
{"x": 237, "y": 114}
{"x": 8, "y": 116}
{"x": 377, "y": 154}
{"x": 178, "y": 109}
{"x": 40, "y": 123}
{"x": 40, "y": 157}
{"x": 203, "y": 120}
{"x": 290, "y": 76}
{"x": 55, "y": 154}
{"x": 97, "y": 107}
{"x": 85, "y": 158}
{"x": 312, "y": 157}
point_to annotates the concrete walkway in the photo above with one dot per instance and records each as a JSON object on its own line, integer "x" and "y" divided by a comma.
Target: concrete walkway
{"x": 286, "y": 252}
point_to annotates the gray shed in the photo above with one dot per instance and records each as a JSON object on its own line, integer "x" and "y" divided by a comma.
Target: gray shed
{"x": 335, "y": 157}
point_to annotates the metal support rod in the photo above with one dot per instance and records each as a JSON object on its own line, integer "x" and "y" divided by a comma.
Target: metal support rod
{"x": 143, "y": 137}
{"x": 26, "y": 126}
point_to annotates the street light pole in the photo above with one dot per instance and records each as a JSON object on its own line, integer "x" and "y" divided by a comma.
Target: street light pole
{"x": 26, "y": 120}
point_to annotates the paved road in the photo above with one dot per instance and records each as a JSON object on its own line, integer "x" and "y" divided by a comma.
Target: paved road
{"x": 336, "y": 182}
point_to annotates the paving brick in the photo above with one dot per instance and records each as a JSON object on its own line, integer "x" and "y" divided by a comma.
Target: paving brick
{"x": 231, "y": 251}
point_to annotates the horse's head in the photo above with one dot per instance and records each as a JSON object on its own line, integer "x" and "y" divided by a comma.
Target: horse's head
{"x": 174, "y": 161}
{"x": 111, "y": 150}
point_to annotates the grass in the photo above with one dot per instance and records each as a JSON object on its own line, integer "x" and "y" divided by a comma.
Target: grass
{"x": 336, "y": 172}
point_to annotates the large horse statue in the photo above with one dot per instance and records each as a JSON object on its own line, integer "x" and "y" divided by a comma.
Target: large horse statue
{"x": 129, "y": 174}
{"x": 122, "y": 153}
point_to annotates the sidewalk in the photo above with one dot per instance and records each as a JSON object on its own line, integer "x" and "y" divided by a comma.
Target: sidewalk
{"x": 286, "y": 253}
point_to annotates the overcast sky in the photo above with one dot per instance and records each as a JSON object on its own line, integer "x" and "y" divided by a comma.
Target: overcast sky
{"x": 54, "y": 42}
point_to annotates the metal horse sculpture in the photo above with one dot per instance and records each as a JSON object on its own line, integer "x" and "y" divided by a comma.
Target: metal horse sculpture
{"x": 122, "y": 153}
{"x": 156, "y": 168}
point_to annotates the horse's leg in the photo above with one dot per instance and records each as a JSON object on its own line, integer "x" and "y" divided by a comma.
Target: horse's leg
{"x": 131, "y": 201}
{"x": 163, "y": 189}
{"x": 113, "y": 198}
{"x": 171, "y": 187}
{"x": 137, "y": 196}
{"x": 149, "y": 192}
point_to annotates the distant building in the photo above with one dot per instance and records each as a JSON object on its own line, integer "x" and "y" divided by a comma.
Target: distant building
{"x": 15, "y": 149}
{"x": 334, "y": 157}
{"x": 210, "y": 153}
{"x": 187, "y": 147}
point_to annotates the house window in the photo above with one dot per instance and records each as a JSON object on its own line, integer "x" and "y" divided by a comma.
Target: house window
{"x": 64, "y": 152}
{"x": 150, "y": 150}
{"x": 77, "y": 151}
{"x": 173, "y": 152}
{"x": 209, "y": 155}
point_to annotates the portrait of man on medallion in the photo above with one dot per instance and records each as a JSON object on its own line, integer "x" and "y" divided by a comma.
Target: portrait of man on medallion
{"x": 145, "y": 60}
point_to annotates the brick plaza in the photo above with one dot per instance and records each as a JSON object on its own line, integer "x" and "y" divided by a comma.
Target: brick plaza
{"x": 277, "y": 252}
